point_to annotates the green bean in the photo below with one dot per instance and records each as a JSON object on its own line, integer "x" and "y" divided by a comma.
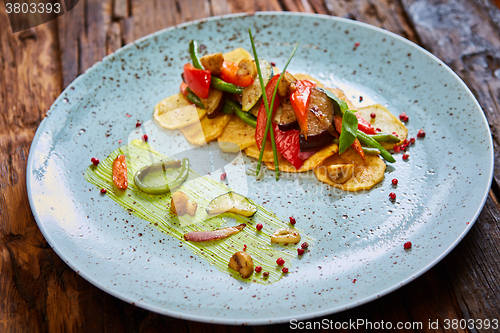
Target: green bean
{"x": 372, "y": 143}
{"x": 385, "y": 137}
{"x": 193, "y": 52}
{"x": 245, "y": 116}
{"x": 371, "y": 151}
{"x": 222, "y": 85}
{"x": 191, "y": 96}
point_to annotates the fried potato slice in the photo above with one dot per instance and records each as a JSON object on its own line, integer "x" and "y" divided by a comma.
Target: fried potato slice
{"x": 253, "y": 151}
{"x": 205, "y": 130}
{"x": 175, "y": 111}
{"x": 237, "y": 55}
{"x": 336, "y": 91}
{"x": 237, "y": 136}
{"x": 384, "y": 120}
{"x": 367, "y": 173}
{"x": 309, "y": 164}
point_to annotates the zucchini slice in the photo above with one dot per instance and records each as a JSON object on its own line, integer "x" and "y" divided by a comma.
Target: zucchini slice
{"x": 253, "y": 92}
{"x": 231, "y": 202}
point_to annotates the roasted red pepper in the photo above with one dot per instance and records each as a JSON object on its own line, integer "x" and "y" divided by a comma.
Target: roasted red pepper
{"x": 120, "y": 172}
{"x": 183, "y": 88}
{"x": 287, "y": 142}
{"x": 229, "y": 73}
{"x": 198, "y": 80}
{"x": 364, "y": 126}
{"x": 356, "y": 145}
{"x": 300, "y": 101}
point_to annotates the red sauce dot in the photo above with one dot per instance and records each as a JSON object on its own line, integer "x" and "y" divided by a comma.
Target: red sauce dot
{"x": 394, "y": 182}
{"x": 280, "y": 261}
{"x": 259, "y": 226}
{"x": 223, "y": 176}
{"x": 392, "y": 196}
{"x": 407, "y": 245}
{"x": 292, "y": 220}
{"x": 373, "y": 115}
{"x": 300, "y": 251}
{"x": 284, "y": 270}
{"x": 420, "y": 133}
{"x": 304, "y": 245}
{"x": 405, "y": 156}
{"x": 103, "y": 190}
{"x": 258, "y": 269}
{"x": 145, "y": 137}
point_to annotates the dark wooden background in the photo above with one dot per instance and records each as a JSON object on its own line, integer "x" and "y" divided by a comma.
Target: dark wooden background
{"x": 38, "y": 292}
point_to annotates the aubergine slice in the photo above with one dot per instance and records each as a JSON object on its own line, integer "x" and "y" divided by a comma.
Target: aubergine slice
{"x": 319, "y": 121}
{"x": 231, "y": 202}
{"x": 285, "y": 117}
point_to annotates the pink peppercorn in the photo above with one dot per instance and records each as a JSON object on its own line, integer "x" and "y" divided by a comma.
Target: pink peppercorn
{"x": 265, "y": 275}
{"x": 280, "y": 261}
{"x": 420, "y": 133}
{"x": 412, "y": 141}
{"x": 94, "y": 161}
{"x": 103, "y": 190}
{"x": 284, "y": 270}
{"x": 300, "y": 251}
{"x": 304, "y": 245}
{"x": 407, "y": 245}
{"x": 354, "y": 280}
{"x": 292, "y": 220}
{"x": 405, "y": 156}
{"x": 394, "y": 182}
{"x": 259, "y": 227}
{"x": 373, "y": 115}
{"x": 145, "y": 137}
{"x": 392, "y": 196}
{"x": 138, "y": 124}
{"x": 223, "y": 176}
{"x": 403, "y": 117}
{"x": 378, "y": 129}
{"x": 258, "y": 269}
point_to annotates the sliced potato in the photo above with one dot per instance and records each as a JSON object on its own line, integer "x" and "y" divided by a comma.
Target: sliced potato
{"x": 237, "y": 136}
{"x": 384, "y": 120}
{"x": 253, "y": 151}
{"x": 206, "y": 130}
{"x": 310, "y": 163}
{"x": 176, "y": 112}
{"x": 367, "y": 173}
{"x": 237, "y": 55}
{"x": 213, "y": 100}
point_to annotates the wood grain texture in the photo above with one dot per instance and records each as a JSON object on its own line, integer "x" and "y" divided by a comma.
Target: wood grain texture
{"x": 38, "y": 292}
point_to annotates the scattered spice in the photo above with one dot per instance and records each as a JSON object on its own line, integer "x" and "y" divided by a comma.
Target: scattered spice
{"x": 258, "y": 269}
{"x": 394, "y": 182}
{"x": 265, "y": 275}
{"x": 284, "y": 270}
{"x": 392, "y": 196}
{"x": 405, "y": 157}
{"x": 407, "y": 245}
{"x": 94, "y": 161}
{"x": 103, "y": 190}
{"x": 300, "y": 251}
{"x": 421, "y": 133}
{"x": 145, "y": 137}
{"x": 280, "y": 261}
{"x": 305, "y": 245}
{"x": 292, "y": 220}
{"x": 138, "y": 124}
{"x": 373, "y": 115}
{"x": 259, "y": 226}
{"x": 223, "y": 176}
{"x": 403, "y": 117}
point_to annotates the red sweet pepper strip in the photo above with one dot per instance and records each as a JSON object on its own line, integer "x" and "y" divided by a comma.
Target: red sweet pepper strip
{"x": 300, "y": 101}
{"x": 229, "y": 73}
{"x": 183, "y": 88}
{"x": 356, "y": 145}
{"x": 364, "y": 126}
{"x": 287, "y": 142}
{"x": 198, "y": 80}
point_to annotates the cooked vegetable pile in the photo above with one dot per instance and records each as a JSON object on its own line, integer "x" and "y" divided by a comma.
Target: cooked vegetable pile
{"x": 289, "y": 122}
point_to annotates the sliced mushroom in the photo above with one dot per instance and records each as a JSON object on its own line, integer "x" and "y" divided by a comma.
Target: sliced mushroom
{"x": 242, "y": 263}
{"x": 286, "y": 81}
{"x": 213, "y": 62}
{"x": 181, "y": 204}
{"x": 285, "y": 236}
{"x": 340, "y": 173}
{"x": 247, "y": 67}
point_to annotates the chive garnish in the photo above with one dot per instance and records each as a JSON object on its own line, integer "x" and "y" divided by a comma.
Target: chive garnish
{"x": 269, "y": 108}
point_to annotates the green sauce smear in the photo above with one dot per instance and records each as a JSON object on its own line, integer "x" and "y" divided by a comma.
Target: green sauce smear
{"x": 156, "y": 210}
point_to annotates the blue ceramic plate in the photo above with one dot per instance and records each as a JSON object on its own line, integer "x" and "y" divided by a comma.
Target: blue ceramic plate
{"x": 357, "y": 236}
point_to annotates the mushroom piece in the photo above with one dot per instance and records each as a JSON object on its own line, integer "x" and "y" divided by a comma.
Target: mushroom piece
{"x": 285, "y": 236}
{"x": 340, "y": 173}
{"x": 242, "y": 263}
{"x": 247, "y": 67}
{"x": 181, "y": 204}
{"x": 285, "y": 86}
{"x": 213, "y": 62}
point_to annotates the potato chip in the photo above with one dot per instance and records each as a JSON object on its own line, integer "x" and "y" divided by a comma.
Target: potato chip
{"x": 309, "y": 164}
{"x": 237, "y": 136}
{"x": 367, "y": 173}
{"x": 206, "y": 130}
{"x": 253, "y": 151}
{"x": 384, "y": 120}
{"x": 237, "y": 55}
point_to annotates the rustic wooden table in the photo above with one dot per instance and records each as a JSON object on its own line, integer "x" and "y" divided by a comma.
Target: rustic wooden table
{"x": 38, "y": 292}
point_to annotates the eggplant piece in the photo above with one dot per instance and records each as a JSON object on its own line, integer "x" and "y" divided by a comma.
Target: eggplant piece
{"x": 285, "y": 117}
{"x": 319, "y": 121}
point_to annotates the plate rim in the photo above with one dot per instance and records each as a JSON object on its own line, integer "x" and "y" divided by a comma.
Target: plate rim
{"x": 282, "y": 319}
